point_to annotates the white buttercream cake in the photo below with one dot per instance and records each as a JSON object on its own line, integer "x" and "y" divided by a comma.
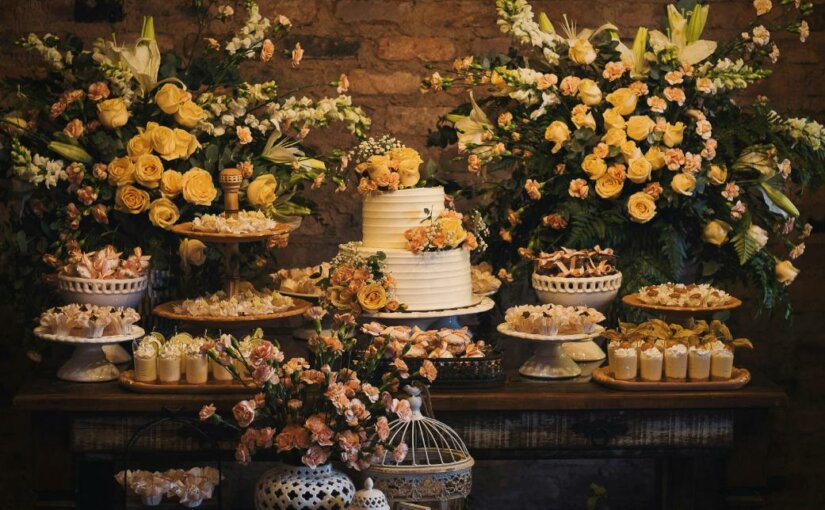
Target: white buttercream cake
{"x": 425, "y": 281}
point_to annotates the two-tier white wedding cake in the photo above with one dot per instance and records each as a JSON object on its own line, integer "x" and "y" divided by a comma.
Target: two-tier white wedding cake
{"x": 435, "y": 280}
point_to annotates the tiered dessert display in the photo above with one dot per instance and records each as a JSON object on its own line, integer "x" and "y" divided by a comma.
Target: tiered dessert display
{"x": 89, "y": 328}
{"x": 655, "y": 355}
{"x": 238, "y": 306}
{"x": 551, "y": 326}
{"x": 578, "y": 278}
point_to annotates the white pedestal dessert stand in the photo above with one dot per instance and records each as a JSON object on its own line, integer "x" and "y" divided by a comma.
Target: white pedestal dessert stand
{"x": 549, "y": 360}
{"x": 434, "y": 319}
{"x": 89, "y": 362}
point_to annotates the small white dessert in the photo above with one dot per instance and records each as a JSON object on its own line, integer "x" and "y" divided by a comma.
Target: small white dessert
{"x": 676, "y": 362}
{"x": 169, "y": 363}
{"x": 721, "y": 364}
{"x": 146, "y": 361}
{"x": 626, "y": 360}
{"x": 699, "y": 363}
{"x": 244, "y": 222}
{"x": 220, "y": 372}
{"x": 651, "y": 360}
{"x": 197, "y": 368}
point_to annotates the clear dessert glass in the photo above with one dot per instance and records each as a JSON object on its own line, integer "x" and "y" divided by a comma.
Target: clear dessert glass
{"x": 721, "y": 364}
{"x": 169, "y": 363}
{"x": 626, "y": 361}
{"x": 146, "y": 361}
{"x": 197, "y": 368}
{"x": 651, "y": 361}
{"x": 676, "y": 362}
{"x": 699, "y": 363}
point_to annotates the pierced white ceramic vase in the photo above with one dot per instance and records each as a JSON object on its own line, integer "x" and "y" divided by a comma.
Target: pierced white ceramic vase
{"x": 285, "y": 487}
{"x": 596, "y": 292}
{"x": 90, "y": 291}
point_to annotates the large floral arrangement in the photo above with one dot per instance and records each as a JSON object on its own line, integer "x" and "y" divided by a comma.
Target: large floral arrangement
{"x": 115, "y": 143}
{"x": 320, "y": 410}
{"x": 587, "y": 141}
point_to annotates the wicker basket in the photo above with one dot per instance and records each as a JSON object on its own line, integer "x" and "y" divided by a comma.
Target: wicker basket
{"x": 117, "y": 292}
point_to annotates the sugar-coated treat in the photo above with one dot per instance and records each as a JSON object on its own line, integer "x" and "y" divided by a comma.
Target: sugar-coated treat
{"x": 442, "y": 343}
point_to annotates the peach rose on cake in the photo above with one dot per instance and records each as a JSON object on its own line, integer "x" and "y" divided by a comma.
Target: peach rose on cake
{"x": 197, "y": 187}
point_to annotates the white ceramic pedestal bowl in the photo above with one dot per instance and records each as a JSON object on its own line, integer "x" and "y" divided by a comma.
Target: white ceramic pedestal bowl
{"x": 89, "y": 291}
{"x": 596, "y": 292}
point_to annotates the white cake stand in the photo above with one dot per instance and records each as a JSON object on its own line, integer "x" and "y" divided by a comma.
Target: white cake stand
{"x": 549, "y": 360}
{"x": 433, "y": 319}
{"x": 89, "y": 362}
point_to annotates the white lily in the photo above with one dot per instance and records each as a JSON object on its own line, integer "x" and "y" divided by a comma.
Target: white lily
{"x": 285, "y": 152}
{"x": 570, "y": 30}
{"x": 474, "y": 129}
{"x": 143, "y": 60}
{"x": 684, "y": 35}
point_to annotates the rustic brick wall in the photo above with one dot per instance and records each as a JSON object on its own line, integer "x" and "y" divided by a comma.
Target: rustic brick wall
{"x": 386, "y": 45}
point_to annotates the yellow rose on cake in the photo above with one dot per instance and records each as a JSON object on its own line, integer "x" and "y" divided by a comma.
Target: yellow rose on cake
{"x": 197, "y": 187}
{"x": 130, "y": 199}
{"x": 407, "y": 161}
{"x": 451, "y": 226}
{"x": 641, "y": 207}
{"x": 261, "y": 192}
{"x": 372, "y": 297}
{"x": 163, "y": 213}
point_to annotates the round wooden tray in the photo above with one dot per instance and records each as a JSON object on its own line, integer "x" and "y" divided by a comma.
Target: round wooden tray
{"x": 185, "y": 229}
{"x": 633, "y": 300}
{"x": 167, "y": 311}
{"x": 739, "y": 378}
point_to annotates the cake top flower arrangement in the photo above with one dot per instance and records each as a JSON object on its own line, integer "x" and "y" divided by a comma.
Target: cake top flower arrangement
{"x": 444, "y": 232}
{"x": 311, "y": 412}
{"x": 358, "y": 284}
{"x": 106, "y": 264}
{"x": 115, "y": 142}
{"x": 638, "y": 145}
{"x": 385, "y": 164}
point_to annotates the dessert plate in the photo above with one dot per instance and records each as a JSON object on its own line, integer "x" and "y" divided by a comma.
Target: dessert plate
{"x": 550, "y": 361}
{"x": 167, "y": 311}
{"x": 89, "y": 362}
{"x": 633, "y": 300}
{"x": 185, "y": 229}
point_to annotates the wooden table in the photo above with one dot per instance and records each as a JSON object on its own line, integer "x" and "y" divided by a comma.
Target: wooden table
{"x": 692, "y": 436}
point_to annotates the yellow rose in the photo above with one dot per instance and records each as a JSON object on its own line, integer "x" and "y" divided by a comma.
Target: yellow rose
{"x": 261, "y": 191}
{"x": 639, "y": 170}
{"x": 378, "y": 167}
{"x": 408, "y": 164}
{"x": 786, "y": 273}
{"x": 163, "y": 140}
{"x": 121, "y": 171}
{"x": 163, "y": 213}
{"x": 170, "y": 97}
{"x": 453, "y": 230}
{"x": 717, "y": 174}
{"x": 171, "y": 183}
{"x": 340, "y": 297}
{"x": 139, "y": 145}
{"x": 683, "y": 183}
{"x": 656, "y": 156}
{"x": 148, "y": 170}
{"x": 372, "y": 297}
{"x": 185, "y": 145}
{"x": 113, "y": 113}
{"x": 629, "y": 150}
{"x": 609, "y": 187}
{"x": 641, "y": 207}
{"x": 594, "y": 166}
{"x": 189, "y": 114}
{"x": 615, "y": 137}
{"x": 197, "y": 187}
{"x": 674, "y": 133}
{"x": 192, "y": 252}
{"x": 131, "y": 200}
{"x": 558, "y": 133}
{"x": 589, "y": 92}
{"x": 716, "y": 232}
{"x": 623, "y": 100}
{"x": 612, "y": 119}
{"x": 584, "y": 119}
{"x": 639, "y": 127}
{"x": 582, "y": 52}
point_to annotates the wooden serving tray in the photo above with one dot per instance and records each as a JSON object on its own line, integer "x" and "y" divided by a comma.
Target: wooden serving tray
{"x": 127, "y": 381}
{"x": 185, "y": 229}
{"x": 167, "y": 311}
{"x": 739, "y": 378}
{"x": 633, "y": 300}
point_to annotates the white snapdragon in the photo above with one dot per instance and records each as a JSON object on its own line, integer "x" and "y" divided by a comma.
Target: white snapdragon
{"x": 36, "y": 169}
{"x": 308, "y": 113}
{"x": 515, "y": 17}
{"x": 253, "y": 31}
{"x": 46, "y": 48}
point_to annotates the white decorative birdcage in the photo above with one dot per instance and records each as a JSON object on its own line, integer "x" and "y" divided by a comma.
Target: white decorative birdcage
{"x": 437, "y": 470}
